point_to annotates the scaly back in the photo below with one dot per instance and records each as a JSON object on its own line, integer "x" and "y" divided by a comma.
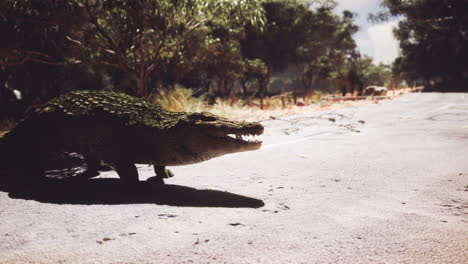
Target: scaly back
{"x": 129, "y": 110}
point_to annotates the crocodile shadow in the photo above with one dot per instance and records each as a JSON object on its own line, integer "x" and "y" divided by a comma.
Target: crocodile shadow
{"x": 111, "y": 191}
{"x": 60, "y": 187}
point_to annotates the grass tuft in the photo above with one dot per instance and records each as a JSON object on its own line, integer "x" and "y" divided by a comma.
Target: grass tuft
{"x": 179, "y": 99}
{"x": 183, "y": 99}
{"x": 229, "y": 108}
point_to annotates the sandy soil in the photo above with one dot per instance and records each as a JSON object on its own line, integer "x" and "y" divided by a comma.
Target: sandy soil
{"x": 375, "y": 183}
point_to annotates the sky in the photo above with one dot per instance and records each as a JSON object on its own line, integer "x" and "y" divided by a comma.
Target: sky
{"x": 375, "y": 40}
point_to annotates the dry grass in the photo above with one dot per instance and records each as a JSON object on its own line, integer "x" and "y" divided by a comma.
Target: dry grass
{"x": 231, "y": 108}
{"x": 179, "y": 99}
{"x": 182, "y": 99}
{"x": 254, "y": 113}
{"x": 273, "y": 107}
{"x": 280, "y": 105}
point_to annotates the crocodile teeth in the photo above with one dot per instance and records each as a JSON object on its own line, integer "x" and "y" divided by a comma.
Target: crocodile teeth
{"x": 243, "y": 138}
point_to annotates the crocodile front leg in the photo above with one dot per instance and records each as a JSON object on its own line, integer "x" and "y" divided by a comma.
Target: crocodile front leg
{"x": 161, "y": 174}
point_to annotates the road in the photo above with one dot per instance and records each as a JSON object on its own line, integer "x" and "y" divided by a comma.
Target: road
{"x": 378, "y": 183}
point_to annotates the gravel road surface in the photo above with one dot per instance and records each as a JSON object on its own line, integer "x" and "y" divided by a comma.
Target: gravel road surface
{"x": 378, "y": 183}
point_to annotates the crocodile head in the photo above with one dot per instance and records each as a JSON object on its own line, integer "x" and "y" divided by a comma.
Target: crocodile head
{"x": 202, "y": 136}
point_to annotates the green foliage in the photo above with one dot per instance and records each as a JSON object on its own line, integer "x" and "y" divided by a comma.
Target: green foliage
{"x": 34, "y": 45}
{"x": 153, "y": 43}
{"x": 36, "y": 31}
{"x": 360, "y": 72}
{"x": 304, "y": 37}
{"x": 141, "y": 47}
{"x": 146, "y": 37}
{"x": 252, "y": 71}
{"x": 380, "y": 75}
{"x": 328, "y": 45}
{"x": 277, "y": 43}
{"x": 433, "y": 39}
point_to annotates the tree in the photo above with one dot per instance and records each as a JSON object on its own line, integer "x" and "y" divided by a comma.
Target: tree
{"x": 145, "y": 41}
{"x": 277, "y": 42}
{"x": 223, "y": 62}
{"x": 358, "y": 72}
{"x": 35, "y": 31}
{"x": 433, "y": 39}
{"x": 138, "y": 46}
{"x": 380, "y": 75}
{"x": 253, "y": 73}
{"x": 147, "y": 37}
{"x": 327, "y": 45}
{"x": 304, "y": 38}
{"x": 34, "y": 46}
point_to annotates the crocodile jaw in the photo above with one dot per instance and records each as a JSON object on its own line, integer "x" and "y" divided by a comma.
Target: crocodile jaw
{"x": 218, "y": 141}
{"x": 237, "y": 140}
{"x": 194, "y": 142}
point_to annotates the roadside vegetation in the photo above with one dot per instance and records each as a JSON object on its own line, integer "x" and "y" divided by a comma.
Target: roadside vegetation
{"x": 218, "y": 49}
{"x": 211, "y": 54}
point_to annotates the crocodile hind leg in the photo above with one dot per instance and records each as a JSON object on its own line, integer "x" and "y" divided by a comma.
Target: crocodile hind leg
{"x": 92, "y": 170}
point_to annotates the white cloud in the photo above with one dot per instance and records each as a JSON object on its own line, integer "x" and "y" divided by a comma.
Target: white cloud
{"x": 364, "y": 44}
{"x": 355, "y": 5}
{"x": 385, "y": 46}
{"x": 375, "y": 40}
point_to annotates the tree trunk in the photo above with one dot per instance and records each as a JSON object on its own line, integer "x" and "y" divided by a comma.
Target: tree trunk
{"x": 141, "y": 92}
{"x": 243, "y": 84}
{"x": 263, "y": 84}
{"x": 307, "y": 83}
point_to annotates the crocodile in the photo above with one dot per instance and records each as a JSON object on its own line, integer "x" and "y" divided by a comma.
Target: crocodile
{"x": 122, "y": 131}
